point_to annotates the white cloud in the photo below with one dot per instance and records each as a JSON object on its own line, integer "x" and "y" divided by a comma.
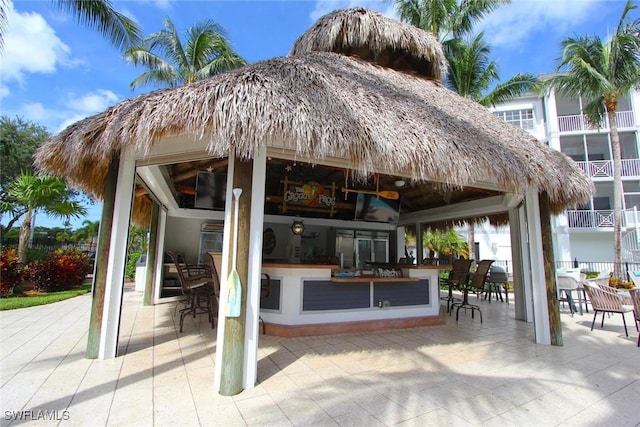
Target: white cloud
{"x": 85, "y": 105}
{"x": 511, "y": 25}
{"x": 33, "y": 111}
{"x": 31, "y": 46}
{"x": 161, "y": 4}
{"x": 91, "y": 103}
{"x": 77, "y": 108}
{"x": 4, "y": 91}
{"x": 323, "y": 7}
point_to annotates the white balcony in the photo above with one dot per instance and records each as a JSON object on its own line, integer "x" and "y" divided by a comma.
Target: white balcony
{"x": 601, "y": 219}
{"x": 578, "y": 122}
{"x": 590, "y": 219}
{"x": 604, "y": 168}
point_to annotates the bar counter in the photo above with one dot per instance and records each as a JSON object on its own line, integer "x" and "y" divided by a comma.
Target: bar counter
{"x": 306, "y": 300}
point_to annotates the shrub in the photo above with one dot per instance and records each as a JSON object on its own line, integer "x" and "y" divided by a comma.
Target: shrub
{"x": 61, "y": 270}
{"x": 11, "y": 272}
{"x": 132, "y": 259}
{"x": 37, "y": 254}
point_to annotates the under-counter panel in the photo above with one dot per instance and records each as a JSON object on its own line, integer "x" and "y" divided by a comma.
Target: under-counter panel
{"x": 327, "y": 295}
{"x": 402, "y": 293}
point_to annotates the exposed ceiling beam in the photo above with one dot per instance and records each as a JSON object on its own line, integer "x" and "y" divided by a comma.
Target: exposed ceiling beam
{"x": 156, "y": 183}
{"x": 474, "y": 208}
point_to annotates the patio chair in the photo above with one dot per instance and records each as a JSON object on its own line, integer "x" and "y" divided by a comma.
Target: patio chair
{"x": 568, "y": 284}
{"x": 635, "y": 297}
{"x": 475, "y": 284}
{"x": 197, "y": 288}
{"x": 458, "y": 275}
{"x": 496, "y": 282}
{"x": 265, "y": 292}
{"x": 606, "y": 301}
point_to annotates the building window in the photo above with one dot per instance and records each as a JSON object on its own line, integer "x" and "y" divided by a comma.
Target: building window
{"x": 520, "y": 118}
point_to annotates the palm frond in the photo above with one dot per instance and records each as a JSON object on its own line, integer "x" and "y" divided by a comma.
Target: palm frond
{"x": 518, "y": 85}
{"x": 100, "y": 14}
{"x": 470, "y": 12}
{"x": 595, "y": 112}
{"x": 157, "y": 78}
{"x": 4, "y": 11}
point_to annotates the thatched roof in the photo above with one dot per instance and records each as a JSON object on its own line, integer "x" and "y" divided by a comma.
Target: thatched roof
{"x": 322, "y": 104}
{"x": 375, "y": 38}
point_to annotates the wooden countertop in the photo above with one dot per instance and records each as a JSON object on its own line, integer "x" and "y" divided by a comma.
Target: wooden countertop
{"x": 301, "y": 266}
{"x": 424, "y": 267}
{"x": 372, "y": 279}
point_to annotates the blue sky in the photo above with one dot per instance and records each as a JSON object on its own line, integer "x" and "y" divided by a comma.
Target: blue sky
{"x": 55, "y": 71}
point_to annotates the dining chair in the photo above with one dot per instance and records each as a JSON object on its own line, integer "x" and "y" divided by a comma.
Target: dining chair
{"x": 606, "y": 301}
{"x": 496, "y": 282}
{"x": 458, "y": 275}
{"x": 567, "y": 285}
{"x": 197, "y": 288}
{"x": 476, "y": 283}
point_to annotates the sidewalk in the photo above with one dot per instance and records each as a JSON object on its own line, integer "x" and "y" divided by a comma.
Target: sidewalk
{"x": 458, "y": 374}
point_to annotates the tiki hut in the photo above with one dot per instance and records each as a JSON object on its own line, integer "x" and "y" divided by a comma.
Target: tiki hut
{"x": 382, "y": 107}
{"x": 359, "y": 92}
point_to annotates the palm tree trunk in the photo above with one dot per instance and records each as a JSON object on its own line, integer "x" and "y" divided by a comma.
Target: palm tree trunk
{"x": 617, "y": 193}
{"x": 472, "y": 241}
{"x": 23, "y": 239}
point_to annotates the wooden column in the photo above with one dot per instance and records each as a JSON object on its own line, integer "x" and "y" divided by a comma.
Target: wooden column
{"x": 231, "y": 377}
{"x": 151, "y": 256}
{"x": 102, "y": 258}
{"x": 555, "y": 325}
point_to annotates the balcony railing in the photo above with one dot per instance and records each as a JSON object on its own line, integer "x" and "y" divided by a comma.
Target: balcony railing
{"x": 590, "y": 219}
{"x": 578, "y": 122}
{"x": 593, "y": 219}
{"x": 604, "y": 168}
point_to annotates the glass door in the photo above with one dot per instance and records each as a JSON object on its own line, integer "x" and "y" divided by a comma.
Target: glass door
{"x": 363, "y": 252}
{"x": 380, "y": 250}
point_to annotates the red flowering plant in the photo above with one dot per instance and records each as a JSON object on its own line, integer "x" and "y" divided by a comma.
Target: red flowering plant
{"x": 61, "y": 270}
{"x": 12, "y": 274}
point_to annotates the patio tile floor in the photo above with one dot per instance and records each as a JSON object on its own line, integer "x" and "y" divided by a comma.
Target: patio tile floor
{"x": 458, "y": 374}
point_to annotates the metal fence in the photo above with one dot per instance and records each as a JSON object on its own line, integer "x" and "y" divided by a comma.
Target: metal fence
{"x": 584, "y": 266}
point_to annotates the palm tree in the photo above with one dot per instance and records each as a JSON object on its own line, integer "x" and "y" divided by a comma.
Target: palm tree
{"x": 471, "y": 74}
{"x": 171, "y": 63}
{"x": 97, "y": 14}
{"x": 88, "y": 232}
{"x": 31, "y": 193}
{"x": 601, "y": 72}
{"x": 446, "y": 19}
{"x": 445, "y": 243}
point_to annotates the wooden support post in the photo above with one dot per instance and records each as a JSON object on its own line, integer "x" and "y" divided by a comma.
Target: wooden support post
{"x": 102, "y": 258}
{"x": 231, "y": 379}
{"x": 555, "y": 325}
{"x": 151, "y": 256}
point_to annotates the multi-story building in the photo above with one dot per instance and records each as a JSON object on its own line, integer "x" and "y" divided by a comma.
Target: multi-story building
{"x": 586, "y": 232}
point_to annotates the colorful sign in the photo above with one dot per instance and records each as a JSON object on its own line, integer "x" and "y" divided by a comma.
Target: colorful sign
{"x": 311, "y": 194}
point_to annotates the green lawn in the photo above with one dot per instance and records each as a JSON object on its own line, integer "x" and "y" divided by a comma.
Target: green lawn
{"x": 31, "y": 301}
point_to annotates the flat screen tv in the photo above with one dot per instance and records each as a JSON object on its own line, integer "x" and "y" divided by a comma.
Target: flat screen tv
{"x": 210, "y": 190}
{"x": 372, "y": 208}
